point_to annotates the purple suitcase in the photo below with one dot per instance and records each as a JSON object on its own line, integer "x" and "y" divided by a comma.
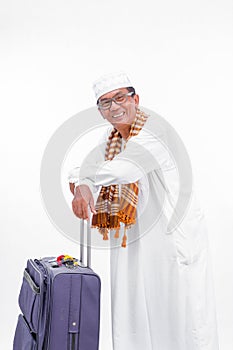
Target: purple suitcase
{"x": 60, "y": 305}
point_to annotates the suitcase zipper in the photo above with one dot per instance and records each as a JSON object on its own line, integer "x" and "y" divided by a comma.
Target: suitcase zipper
{"x": 46, "y": 286}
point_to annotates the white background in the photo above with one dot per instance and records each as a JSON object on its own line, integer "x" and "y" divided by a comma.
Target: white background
{"x": 179, "y": 56}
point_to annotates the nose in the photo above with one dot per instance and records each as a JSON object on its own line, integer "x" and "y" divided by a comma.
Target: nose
{"x": 114, "y": 106}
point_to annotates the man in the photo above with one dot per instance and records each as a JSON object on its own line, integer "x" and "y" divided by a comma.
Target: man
{"x": 161, "y": 284}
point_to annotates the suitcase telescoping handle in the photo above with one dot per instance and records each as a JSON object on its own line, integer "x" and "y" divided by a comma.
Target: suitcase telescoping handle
{"x": 88, "y": 242}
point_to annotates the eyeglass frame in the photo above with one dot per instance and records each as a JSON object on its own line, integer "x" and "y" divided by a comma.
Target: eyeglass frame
{"x": 131, "y": 93}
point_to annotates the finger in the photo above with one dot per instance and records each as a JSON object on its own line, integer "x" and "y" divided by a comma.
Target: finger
{"x": 92, "y": 206}
{"x": 77, "y": 209}
{"x": 85, "y": 212}
{"x": 77, "y": 213}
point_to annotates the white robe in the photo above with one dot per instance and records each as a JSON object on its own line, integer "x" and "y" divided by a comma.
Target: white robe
{"x": 162, "y": 293}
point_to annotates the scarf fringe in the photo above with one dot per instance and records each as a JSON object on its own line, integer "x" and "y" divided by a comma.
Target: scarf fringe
{"x": 123, "y": 244}
{"x": 126, "y": 219}
{"x": 105, "y": 230}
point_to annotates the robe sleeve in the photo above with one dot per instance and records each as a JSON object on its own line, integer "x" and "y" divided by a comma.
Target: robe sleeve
{"x": 143, "y": 153}
{"x": 74, "y": 174}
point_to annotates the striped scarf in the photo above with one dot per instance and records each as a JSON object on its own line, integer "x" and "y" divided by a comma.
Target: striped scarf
{"x": 111, "y": 207}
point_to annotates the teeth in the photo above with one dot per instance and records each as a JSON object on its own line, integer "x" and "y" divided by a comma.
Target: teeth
{"x": 118, "y": 115}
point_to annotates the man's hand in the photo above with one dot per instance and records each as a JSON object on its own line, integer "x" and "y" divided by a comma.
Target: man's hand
{"x": 82, "y": 198}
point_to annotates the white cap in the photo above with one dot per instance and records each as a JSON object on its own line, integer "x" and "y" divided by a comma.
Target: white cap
{"x": 110, "y": 82}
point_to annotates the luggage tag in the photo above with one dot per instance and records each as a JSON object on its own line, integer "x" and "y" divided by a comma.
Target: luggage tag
{"x": 66, "y": 260}
{"x": 70, "y": 262}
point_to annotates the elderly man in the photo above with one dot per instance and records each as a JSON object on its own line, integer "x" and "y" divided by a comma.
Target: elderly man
{"x": 161, "y": 284}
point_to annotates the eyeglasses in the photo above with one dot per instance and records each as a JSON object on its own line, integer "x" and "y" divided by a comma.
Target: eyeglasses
{"x": 119, "y": 99}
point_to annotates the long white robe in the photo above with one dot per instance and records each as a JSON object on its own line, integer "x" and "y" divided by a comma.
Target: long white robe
{"x": 162, "y": 293}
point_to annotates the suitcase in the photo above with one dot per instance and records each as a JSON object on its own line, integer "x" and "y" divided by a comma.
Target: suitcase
{"x": 60, "y": 303}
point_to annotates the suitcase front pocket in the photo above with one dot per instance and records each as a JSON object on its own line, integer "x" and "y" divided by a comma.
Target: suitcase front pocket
{"x": 29, "y": 301}
{"x": 23, "y": 339}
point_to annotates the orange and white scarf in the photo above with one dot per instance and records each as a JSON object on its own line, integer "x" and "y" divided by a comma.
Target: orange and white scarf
{"x": 111, "y": 207}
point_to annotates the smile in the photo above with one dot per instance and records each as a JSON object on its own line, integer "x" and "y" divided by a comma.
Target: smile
{"x": 118, "y": 115}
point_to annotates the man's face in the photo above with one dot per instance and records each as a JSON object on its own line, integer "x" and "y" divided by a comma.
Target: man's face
{"x": 120, "y": 114}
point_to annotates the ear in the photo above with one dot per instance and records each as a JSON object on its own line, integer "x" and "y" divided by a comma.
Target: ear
{"x": 136, "y": 99}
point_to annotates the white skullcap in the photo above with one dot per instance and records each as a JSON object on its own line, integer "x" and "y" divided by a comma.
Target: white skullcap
{"x": 110, "y": 82}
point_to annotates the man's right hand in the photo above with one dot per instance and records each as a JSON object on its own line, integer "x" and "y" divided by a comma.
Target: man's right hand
{"x": 82, "y": 198}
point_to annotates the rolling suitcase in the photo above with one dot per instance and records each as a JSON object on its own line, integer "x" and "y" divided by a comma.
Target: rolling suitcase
{"x": 60, "y": 303}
